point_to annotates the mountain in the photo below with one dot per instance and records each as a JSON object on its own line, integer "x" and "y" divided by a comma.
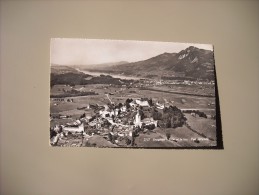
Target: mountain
{"x": 192, "y": 63}
{"x": 62, "y": 69}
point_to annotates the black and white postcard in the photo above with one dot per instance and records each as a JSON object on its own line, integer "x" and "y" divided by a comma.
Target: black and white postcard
{"x": 133, "y": 94}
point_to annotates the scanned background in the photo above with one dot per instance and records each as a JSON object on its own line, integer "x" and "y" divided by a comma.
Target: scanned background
{"x": 30, "y": 166}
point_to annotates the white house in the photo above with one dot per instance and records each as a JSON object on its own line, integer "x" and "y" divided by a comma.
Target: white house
{"x": 123, "y": 109}
{"x": 137, "y": 121}
{"x": 160, "y": 106}
{"x": 75, "y": 129}
{"x": 149, "y": 121}
{"x": 142, "y": 103}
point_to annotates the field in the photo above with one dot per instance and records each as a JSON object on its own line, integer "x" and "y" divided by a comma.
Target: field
{"x": 191, "y": 105}
{"x": 197, "y": 132}
{"x": 120, "y": 94}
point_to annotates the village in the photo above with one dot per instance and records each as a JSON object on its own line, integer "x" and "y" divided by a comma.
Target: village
{"x": 116, "y": 115}
{"x": 132, "y": 113}
{"x": 119, "y": 124}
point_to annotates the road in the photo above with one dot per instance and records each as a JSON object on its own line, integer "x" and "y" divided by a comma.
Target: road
{"x": 180, "y": 93}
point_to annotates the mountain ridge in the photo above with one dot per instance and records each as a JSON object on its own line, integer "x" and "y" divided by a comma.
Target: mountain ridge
{"x": 191, "y": 62}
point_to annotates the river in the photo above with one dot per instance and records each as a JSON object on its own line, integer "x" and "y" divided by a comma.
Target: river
{"x": 113, "y": 75}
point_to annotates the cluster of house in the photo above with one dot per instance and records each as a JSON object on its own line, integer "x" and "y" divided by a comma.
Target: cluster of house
{"x": 187, "y": 82}
{"x": 121, "y": 120}
{"x": 153, "y": 82}
{"x": 62, "y": 99}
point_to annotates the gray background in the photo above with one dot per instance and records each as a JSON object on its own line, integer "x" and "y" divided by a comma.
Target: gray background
{"x": 30, "y": 166}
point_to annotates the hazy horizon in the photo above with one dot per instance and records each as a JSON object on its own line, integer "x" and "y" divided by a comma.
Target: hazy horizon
{"x": 68, "y": 51}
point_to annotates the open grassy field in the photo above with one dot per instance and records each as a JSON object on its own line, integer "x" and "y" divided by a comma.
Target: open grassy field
{"x": 191, "y": 89}
{"x": 204, "y": 126}
{"x": 180, "y": 137}
{"x": 121, "y": 94}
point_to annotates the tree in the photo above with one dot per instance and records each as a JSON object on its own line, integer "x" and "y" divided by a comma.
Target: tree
{"x": 113, "y": 118}
{"x": 174, "y": 116}
{"x": 82, "y": 116}
{"x": 150, "y": 127}
{"x": 127, "y": 105}
{"x": 168, "y": 135}
{"x": 133, "y": 138}
{"x": 141, "y": 113}
{"x": 120, "y": 105}
{"x": 129, "y": 100}
{"x": 167, "y": 120}
{"x": 156, "y": 115}
{"x": 150, "y": 102}
{"x": 128, "y": 141}
{"x": 52, "y": 133}
{"x": 60, "y": 129}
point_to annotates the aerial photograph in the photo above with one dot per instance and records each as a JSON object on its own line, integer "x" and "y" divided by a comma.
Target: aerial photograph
{"x": 133, "y": 94}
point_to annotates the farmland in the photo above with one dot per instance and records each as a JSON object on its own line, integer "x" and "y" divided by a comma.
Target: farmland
{"x": 196, "y": 132}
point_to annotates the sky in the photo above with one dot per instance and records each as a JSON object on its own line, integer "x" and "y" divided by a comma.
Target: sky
{"x": 66, "y": 51}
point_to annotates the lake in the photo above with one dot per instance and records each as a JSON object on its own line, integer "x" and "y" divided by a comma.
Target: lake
{"x": 113, "y": 75}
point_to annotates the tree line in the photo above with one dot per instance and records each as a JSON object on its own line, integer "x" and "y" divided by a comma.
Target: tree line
{"x": 80, "y": 79}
